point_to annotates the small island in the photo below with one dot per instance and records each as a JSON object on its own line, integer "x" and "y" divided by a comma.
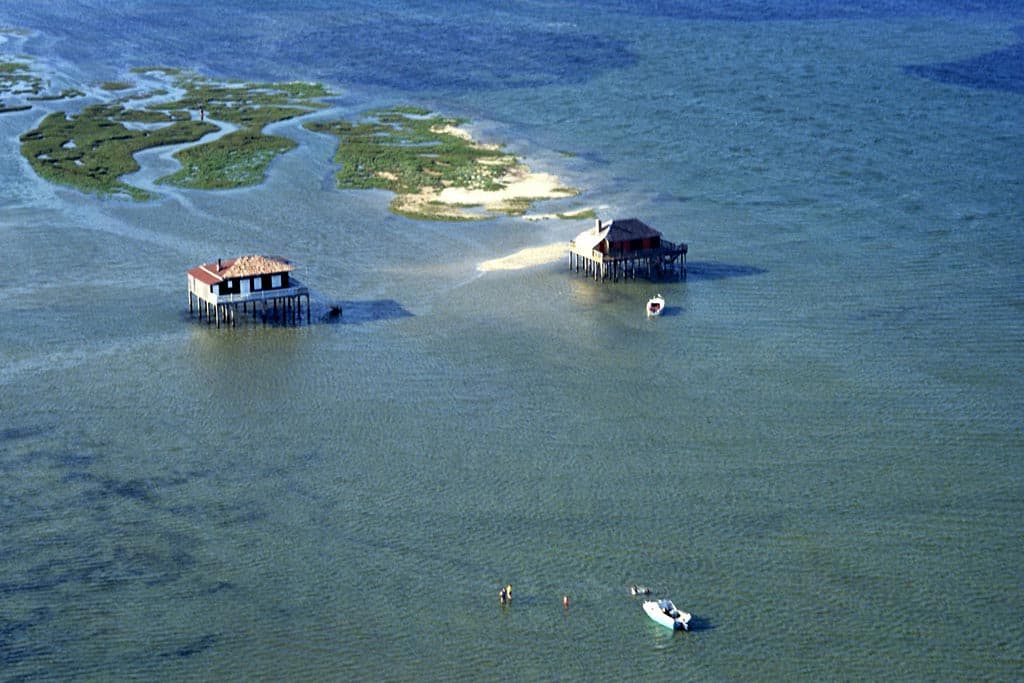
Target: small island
{"x": 429, "y": 161}
{"x": 434, "y": 166}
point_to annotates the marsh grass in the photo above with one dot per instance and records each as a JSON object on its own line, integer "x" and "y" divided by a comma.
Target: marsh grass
{"x": 16, "y": 78}
{"x": 116, "y": 85}
{"x": 416, "y": 154}
{"x": 93, "y": 149}
{"x": 18, "y": 81}
{"x": 238, "y": 159}
{"x": 404, "y": 150}
{"x": 407, "y": 150}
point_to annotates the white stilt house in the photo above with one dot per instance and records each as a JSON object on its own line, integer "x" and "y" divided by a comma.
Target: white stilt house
{"x": 217, "y": 290}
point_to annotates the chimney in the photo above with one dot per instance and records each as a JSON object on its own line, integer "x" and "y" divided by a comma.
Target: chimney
{"x": 218, "y": 266}
{"x": 597, "y": 224}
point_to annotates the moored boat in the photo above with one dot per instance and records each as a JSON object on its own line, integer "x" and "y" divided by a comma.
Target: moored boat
{"x": 655, "y": 305}
{"x": 667, "y": 614}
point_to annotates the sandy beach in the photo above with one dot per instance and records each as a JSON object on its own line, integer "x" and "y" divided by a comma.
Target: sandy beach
{"x": 520, "y": 187}
{"x": 520, "y": 184}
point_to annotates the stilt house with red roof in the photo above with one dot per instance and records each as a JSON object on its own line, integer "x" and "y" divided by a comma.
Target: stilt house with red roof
{"x": 624, "y": 248}
{"x": 264, "y": 284}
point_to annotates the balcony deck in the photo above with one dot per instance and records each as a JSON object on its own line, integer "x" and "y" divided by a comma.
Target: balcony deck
{"x": 669, "y": 257}
{"x": 282, "y": 304}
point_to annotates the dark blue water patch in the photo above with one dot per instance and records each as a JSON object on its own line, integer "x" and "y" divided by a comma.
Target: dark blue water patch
{"x": 93, "y": 493}
{"x": 53, "y": 573}
{"x": 74, "y": 462}
{"x": 71, "y": 460}
{"x": 1002, "y": 70}
{"x": 16, "y": 642}
{"x": 134, "y": 489}
{"x": 466, "y": 46}
{"x": 404, "y": 44}
{"x": 243, "y": 513}
{"x": 20, "y": 433}
{"x": 192, "y": 647}
{"x": 671, "y": 198}
{"x": 427, "y": 53}
{"x": 803, "y": 10}
{"x": 217, "y": 587}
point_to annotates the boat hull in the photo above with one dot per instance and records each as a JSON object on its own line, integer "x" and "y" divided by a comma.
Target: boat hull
{"x": 665, "y": 613}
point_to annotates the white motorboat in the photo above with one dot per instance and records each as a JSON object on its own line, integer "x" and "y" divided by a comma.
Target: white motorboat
{"x": 655, "y": 305}
{"x": 667, "y": 614}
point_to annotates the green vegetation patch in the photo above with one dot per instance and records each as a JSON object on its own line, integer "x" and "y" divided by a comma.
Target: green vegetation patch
{"x": 242, "y": 157}
{"x": 418, "y": 154}
{"x": 407, "y": 150}
{"x": 577, "y": 215}
{"x": 19, "y": 81}
{"x": 238, "y": 159}
{"x": 116, "y": 85}
{"x": 92, "y": 150}
{"x": 16, "y": 78}
{"x": 66, "y": 94}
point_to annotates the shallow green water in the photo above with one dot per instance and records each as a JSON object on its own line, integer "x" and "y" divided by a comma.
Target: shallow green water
{"x": 816, "y": 450}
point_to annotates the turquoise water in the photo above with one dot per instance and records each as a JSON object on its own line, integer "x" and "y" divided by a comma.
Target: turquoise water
{"x": 816, "y": 450}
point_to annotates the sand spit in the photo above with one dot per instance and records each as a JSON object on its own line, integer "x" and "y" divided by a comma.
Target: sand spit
{"x": 527, "y": 258}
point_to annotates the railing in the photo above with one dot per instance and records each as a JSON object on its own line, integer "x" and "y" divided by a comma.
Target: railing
{"x": 297, "y": 289}
{"x": 665, "y": 248}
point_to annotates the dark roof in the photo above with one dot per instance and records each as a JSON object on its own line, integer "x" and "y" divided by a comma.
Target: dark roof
{"x": 622, "y": 230}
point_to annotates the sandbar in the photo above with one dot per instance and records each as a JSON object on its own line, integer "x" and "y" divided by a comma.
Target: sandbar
{"x": 527, "y": 258}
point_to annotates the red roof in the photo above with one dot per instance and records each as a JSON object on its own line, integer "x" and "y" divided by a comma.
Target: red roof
{"x": 243, "y": 266}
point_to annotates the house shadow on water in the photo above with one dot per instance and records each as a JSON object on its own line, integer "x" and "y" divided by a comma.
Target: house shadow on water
{"x": 321, "y": 312}
{"x": 708, "y": 270}
{"x": 349, "y": 312}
